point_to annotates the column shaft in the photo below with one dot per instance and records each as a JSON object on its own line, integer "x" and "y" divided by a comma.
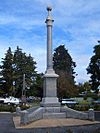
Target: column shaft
{"x": 49, "y": 47}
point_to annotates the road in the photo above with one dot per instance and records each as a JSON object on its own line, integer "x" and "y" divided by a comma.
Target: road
{"x": 6, "y": 122}
{"x": 97, "y": 115}
{"x": 7, "y": 126}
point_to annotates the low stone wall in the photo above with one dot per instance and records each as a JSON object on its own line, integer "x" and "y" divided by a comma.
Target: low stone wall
{"x": 24, "y": 117}
{"x": 34, "y": 114}
{"x": 27, "y": 117}
{"x": 70, "y": 113}
{"x": 31, "y": 110}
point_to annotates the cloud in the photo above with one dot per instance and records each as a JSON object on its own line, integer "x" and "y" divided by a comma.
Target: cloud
{"x": 76, "y": 24}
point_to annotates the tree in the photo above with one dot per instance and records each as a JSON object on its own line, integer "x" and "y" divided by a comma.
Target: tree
{"x": 37, "y": 88}
{"x": 7, "y": 72}
{"x": 23, "y": 65}
{"x": 64, "y": 67}
{"x": 12, "y": 69}
{"x": 87, "y": 87}
{"x": 84, "y": 89}
{"x": 94, "y": 69}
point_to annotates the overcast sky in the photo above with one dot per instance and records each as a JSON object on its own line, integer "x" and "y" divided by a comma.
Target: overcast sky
{"x": 76, "y": 25}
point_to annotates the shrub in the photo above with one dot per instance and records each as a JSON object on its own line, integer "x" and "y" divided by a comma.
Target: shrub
{"x": 11, "y": 108}
{"x": 24, "y": 107}
{"x": 7, "y": 108}
{"x": 97, "y": 107}
{"x": 83, "y": 106}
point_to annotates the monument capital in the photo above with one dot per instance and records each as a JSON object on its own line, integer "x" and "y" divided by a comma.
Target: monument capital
{"x": 49, "y": 19}
{"x": 49, "y": 8}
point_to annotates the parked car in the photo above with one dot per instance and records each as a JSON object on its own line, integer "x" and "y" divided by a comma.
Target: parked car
{"x": 10, "y": 100}
{"x": 2, "y": 100}
{"x": 96, "y": 101}
{"x": 30, "y": 99}
{"x": 69, "y": 102}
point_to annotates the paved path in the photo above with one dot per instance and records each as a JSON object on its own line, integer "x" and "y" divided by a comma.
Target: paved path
{"x": 7, "y": 126}
{"x": 6, "y": 122}
{"x": 97, "y": 115}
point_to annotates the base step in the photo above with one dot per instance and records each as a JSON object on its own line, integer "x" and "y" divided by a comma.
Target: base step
{"x": 54, "y": 115}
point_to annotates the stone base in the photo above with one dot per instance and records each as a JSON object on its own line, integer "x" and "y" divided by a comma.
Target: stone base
{"x": 50, "y": 102}
{"x": 52, "y": 109}
{"x": 28, "y": 116}
{"x": 54, "y": 115}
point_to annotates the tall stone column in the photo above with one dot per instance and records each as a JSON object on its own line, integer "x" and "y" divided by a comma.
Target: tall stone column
{"x": 49, "y": 22}
{"x": 49, "y": 87}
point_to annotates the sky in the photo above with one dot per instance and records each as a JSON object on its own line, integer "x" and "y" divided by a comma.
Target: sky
{"x": 76, "y": 25}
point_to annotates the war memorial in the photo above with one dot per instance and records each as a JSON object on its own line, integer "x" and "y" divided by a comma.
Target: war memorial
{"x": 50, "y": 107}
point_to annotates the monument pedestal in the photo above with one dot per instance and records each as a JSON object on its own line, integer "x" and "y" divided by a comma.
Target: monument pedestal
{"x": 49, "y": 90}
{"x": 50, "y": 102}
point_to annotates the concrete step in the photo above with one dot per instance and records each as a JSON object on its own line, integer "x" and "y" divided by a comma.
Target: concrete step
{"x": 52, "y": 109}
{"x": 54, "y": 115}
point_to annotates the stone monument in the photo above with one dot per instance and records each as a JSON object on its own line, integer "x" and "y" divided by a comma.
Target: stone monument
{"x": 50, "y": 106}
{"x": 49, "y": 86}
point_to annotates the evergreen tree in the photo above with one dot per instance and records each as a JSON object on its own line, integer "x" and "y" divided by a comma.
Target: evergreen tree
{"x": 64, "y": 67}
{"x": 13, "y": 67}
{"x": 7, "y": 72}
{"x": 84, "y": 88}
{"x": 37, "y": 88}
{"x": 23, "y": 65}
{"x": 94, "y": 68}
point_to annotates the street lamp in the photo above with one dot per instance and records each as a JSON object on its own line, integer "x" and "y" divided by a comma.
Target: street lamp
{"x": 24, "y": 91}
